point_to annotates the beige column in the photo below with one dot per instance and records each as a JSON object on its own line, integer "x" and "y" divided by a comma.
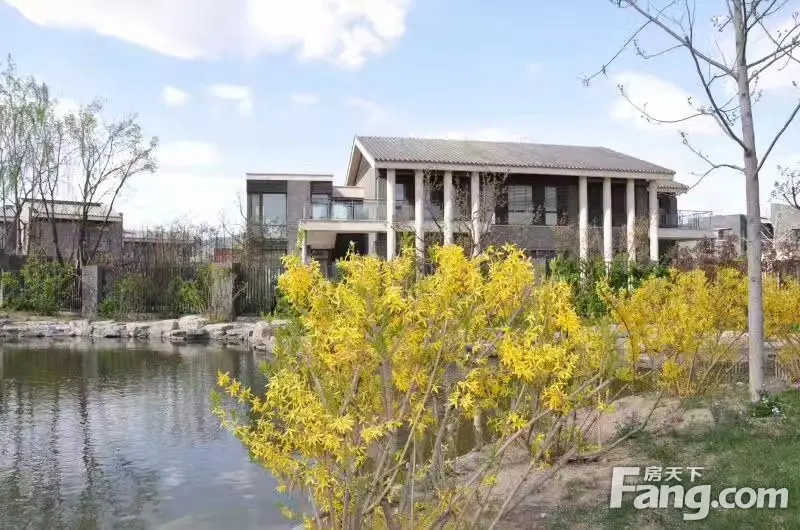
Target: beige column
{"x": 583, "y": 217}
{"x": 630, "y": 203}
{"x": 419, "y": 213}
{"x": 654, "y": 215}
{"x": 448, "y": 207}
{"x": 608, "y": 232}
{"x": 475, "y": 192}
{"x": 391, "y": 241}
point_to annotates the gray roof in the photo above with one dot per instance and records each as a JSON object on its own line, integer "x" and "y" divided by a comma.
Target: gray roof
{"x": 503, "y": 154}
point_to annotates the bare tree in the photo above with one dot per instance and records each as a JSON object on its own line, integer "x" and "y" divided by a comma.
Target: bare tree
{"x": 748, "y": 22}
{"x": 50, "y": 160}
{"x": 787, "y": 188}
{"x": 471, "y": 229}
{"x": 108, "y": 154}
{"x": 17, "y": 185}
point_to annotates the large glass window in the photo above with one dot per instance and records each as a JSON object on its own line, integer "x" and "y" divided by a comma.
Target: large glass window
{"x": 273, "y": 208}
{"x": 520, "y": 205}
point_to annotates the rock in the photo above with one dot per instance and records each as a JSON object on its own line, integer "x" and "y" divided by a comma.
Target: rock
{"x": 217, "y": 331}
{"x": 265, "y": 344}
{"x": 264, "y": 329}
{"x": 162, "y": 328}
{"x": 188, "y": 335}
{"x": 137, "y": 330}
{"x": 238, "y": 334}
{"x": 80, "y": 328}
{"x": 696, "y": 421}
{"x": 108, "y": 329}
{"x": 261, "y": 331}
{"x": 191, "y": 322}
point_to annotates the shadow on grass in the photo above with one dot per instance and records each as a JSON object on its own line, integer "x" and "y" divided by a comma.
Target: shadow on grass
{"x": 739, "y": 451}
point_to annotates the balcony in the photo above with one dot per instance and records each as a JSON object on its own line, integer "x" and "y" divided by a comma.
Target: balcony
{"x": 685, "y": 219}
{"x": 339, "y": 210}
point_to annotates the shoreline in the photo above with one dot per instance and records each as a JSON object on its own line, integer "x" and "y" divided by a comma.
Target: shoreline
{"x": 191, "y": 329}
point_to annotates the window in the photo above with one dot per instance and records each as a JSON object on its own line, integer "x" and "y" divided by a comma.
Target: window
{"x": 255, "y": 208}
{"x": 550, "y": 206}
{"x": 273, "y": 208}
{"x": 520, "y": 205}
{"x": 319, "y": 206}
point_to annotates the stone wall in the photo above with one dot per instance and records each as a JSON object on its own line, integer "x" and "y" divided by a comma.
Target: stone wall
{"x": 256, "y": 335}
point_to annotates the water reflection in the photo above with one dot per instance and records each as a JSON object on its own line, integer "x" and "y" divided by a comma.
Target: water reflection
{"x": 98, "y": 436}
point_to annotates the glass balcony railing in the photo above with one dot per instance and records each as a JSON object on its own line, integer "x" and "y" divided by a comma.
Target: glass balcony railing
{"x": 343, "y": 210}
{"x": 685, "y": 219}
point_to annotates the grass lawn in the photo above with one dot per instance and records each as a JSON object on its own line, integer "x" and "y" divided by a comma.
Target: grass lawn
{"x": 739, "y": 451}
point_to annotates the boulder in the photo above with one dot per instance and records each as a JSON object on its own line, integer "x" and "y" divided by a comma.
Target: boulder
{"x": 162, "y": 328}
{"x": 80, "y": 328}
{"x": 108, "y": 329}
{"x": 191, "y": 322}
{"x": 238, "y": 334}
{"x": 218, "y": 331}
{"x": 188, "y": 335}
{"x": 266, "y": 344}
{"x": 137, "y": 330}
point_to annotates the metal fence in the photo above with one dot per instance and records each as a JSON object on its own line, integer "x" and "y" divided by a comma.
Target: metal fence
{"x": 255, "y": 287}
{"x": 69, "y": 298}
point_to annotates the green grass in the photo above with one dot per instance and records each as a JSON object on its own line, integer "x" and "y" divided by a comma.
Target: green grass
{"x": 740, "y": 451}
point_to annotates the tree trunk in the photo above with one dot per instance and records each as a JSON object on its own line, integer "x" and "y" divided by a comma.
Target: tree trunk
{"x": 755, "y": 306}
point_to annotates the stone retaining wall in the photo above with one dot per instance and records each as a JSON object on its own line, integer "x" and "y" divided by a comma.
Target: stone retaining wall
{"x": 189, "y": 329}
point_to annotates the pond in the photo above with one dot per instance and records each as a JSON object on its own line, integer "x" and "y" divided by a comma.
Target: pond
{"x": 110, "y": 436}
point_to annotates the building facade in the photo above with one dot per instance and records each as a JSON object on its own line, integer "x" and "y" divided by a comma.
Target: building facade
{"x": 45, "y": 226}
{"x": 483, "y": 192}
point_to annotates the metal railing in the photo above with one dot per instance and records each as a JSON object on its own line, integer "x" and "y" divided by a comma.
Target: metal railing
{"x": 685, "y": 219}
{"x": 344, "y": 210}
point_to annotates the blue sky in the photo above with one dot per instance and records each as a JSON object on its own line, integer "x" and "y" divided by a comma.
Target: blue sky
{"x": 231, "y": 86}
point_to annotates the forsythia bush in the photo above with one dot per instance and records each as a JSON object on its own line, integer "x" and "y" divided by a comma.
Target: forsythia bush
{"x": 373, "y": 377}
{"x": 782, "y": 323}
{"x": 687, "y": 326}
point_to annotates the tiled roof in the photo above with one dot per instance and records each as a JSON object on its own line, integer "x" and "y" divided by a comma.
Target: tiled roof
{"x": 503, "y": 154}
{"x": 66, "y": 210}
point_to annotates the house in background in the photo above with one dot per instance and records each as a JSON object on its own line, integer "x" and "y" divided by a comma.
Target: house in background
{"x": 32, "y": 230}
{"x": 424, "y": 186}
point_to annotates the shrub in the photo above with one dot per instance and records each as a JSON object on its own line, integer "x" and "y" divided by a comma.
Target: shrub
{"x": 127, "y": 297}
{"x": 10, "y": 284}
{"x": 40, "y": 287}
{"x": 587, "y": 276}
{"x": 687, "y": 326}
{"x": 377, "y": 372}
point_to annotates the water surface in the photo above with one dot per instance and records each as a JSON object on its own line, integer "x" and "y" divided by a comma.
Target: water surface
{"x": 104, "y": 436}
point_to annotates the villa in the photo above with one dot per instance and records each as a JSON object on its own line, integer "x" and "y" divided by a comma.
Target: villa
{"x": 452, "y": 190}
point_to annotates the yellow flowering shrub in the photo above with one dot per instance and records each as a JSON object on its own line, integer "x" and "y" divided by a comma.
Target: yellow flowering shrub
{"x": 373, "y": 378}
{"x": 782, "y": 323}
{"x": 686, "y": 326}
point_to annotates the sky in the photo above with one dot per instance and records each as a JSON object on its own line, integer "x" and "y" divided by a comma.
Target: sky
{"x": 236, "y": 86}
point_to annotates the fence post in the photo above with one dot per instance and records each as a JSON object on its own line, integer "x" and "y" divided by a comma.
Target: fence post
{"x": 91, "y": 287}
{"x": 222, "y": 295}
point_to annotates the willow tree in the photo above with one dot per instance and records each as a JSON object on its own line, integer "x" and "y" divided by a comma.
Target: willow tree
{"x": 747, "y": 41}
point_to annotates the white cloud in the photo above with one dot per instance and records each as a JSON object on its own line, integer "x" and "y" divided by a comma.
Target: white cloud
{"x": 663, "y": 101}
{"x": 150, "y": 199}
{"x": 305, "y": 99}
{"x": 374, "y": 112}
{"x": 241, "y": 95}
{"x": 188, "y": 153}
{"x": 65, "y": 106}
{"x": 174, "y": 97}
{"x": 346, "y": 32}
